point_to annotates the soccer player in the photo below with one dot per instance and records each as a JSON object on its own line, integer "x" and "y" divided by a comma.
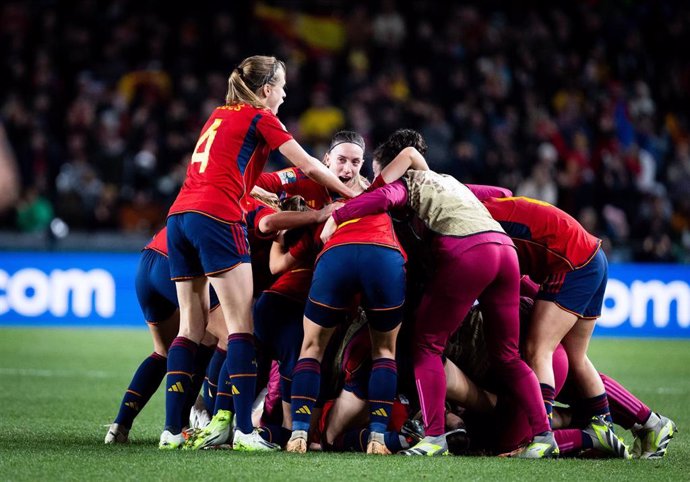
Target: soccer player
{"x": 344, "y": 158}
{"x": 158, "y": 301}
{"x": 276, "y": 330}
{"x": 571, "y": 268}
{"x": 207, "y": 237}
{"x": 573, "y": 433}
{"x": 363, "y": 256}
{"x": 475, "y": 259}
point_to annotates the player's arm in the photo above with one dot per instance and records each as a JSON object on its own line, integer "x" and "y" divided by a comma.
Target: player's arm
{"x": 280, "y": 260}
{"x": 313, "y": 168}
{"x": 377, "y": 201}
{"x": 408, "y": 158}
{"x": 283, "y": 258}
{"x": 293, "y": 219}
{"x": 485, "y": 192}
{"x": 259, "y": 191}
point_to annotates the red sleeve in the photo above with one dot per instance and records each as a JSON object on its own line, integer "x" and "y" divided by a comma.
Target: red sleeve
{"x": 270, "y": 182}
{"x": 485, "y": 192}
{"x": 273, "y": 131}
{"x": 289, "y": 180}
{"x": 261, "y": 212}
{"x": 377, "y": 201}
{"x": 305, "y": 247}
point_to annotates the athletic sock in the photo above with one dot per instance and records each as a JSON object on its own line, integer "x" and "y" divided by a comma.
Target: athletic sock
{"x": 180, "y": 367}
{"x": 597, "y": 406}
{"x": 211, "y": 381}
{"x": 241, "y": 366}
{"x": 548, "y": 393}
{"x": 224, "y": 393}
{"x": 383, "y": 383}
{"x": 306, "y": 378}
{"x": 144, "y": 384}
{"x": 201, "y": 360}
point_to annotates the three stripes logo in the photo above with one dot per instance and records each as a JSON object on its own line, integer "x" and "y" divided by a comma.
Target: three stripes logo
{"x": 235, "y": 391}
{"x": 381, "y": 412}
{"x": 177, "y": 387}
{"x": 303, "y": 410}
{"x": 132, "y": 405}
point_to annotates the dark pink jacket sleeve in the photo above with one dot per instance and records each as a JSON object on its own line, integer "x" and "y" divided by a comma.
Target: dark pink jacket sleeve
{"x": 485, "y": 192}
{"x": 377, "y": 201}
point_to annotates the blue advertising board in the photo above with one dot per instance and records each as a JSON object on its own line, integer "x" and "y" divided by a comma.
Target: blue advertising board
{"x": 646, "y": 300}
{"x": 69, "y": 289}
{"x": 97, "y": 289}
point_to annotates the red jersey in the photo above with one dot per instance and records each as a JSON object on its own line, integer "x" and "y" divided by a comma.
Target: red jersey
{"x": 259, "y": 242}
{"x": 295, "y": 283}
{"x": 227, "y": 160}
{"x": 293, "y": 181}
{"x": 376, "y": 229}
{"x": 159, "y": 243}
{"x": 548, "y": 240}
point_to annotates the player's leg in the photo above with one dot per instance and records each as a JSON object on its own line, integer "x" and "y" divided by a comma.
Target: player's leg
{"x": 216, "y": 326}
{"x": 652, "y": 431}
{"x": 306, "y": 378}
{"x": 145, "y": 381}
{"x": 157, "y": 299}
{"x": 448, "y": 297}
{"x": 191, "y": 287}
{"x": 382, "y": 277}
{"x": 234, "y": 290}
{"x": 333, "y": 286}
{"x": 548, "y": 326}
{"x": 500, "y": 307}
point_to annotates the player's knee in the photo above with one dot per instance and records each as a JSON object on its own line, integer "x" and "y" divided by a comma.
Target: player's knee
{"x": 536, "y": 353}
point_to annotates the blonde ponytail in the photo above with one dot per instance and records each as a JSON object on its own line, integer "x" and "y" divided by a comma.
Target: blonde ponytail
{"x": 247, "y": 79}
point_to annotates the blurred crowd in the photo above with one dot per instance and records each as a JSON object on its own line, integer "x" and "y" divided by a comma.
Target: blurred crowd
{"x": 582, "y": 104}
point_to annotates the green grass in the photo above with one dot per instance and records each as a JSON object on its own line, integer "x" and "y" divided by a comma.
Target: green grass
{"x": 59, "y": 387}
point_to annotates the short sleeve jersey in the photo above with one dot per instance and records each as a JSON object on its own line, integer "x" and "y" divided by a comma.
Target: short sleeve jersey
{"x": 292, "y": 181}
{"x": 228, "y": 158}
{"x": 548, "y": 239}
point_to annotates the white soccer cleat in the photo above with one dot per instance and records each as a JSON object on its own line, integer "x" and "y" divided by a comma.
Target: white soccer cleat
{"x": 199, "y": 416}
{"x": 653, "y": 443}
{"x": 117, "y": 434}
{"x": 252, "y": 442}
{"x": 169, "y": 441}
{"x": 605, "y": 440}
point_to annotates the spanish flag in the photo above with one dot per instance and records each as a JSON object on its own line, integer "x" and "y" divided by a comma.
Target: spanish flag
{"x": 317, "y": 34}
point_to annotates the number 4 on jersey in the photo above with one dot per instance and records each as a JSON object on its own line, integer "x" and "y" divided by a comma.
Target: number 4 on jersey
{"x": 205, "y": 140}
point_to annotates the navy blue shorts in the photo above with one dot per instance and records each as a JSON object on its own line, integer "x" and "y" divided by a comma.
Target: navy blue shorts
{"x": 378, "y": 273}
{"x": 580, "y": 292}
{"x": 155, "y": 290}
{"x": 199, "y": 245}
{"x": 278, "y": 327}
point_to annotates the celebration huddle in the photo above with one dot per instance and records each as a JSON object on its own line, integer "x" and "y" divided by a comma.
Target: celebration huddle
{"x": 313, "y": 309}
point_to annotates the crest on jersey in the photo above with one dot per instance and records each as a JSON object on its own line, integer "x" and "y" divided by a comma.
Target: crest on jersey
{"x": 287, "y": 176}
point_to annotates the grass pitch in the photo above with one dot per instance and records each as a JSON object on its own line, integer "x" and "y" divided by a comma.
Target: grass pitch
{"x": 59, "y": 387}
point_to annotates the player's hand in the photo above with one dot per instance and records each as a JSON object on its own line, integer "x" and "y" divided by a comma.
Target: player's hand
{"x": 262, "y": 193}
{"x": 328, "y": 229}
{"x": 328, "y": 209}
